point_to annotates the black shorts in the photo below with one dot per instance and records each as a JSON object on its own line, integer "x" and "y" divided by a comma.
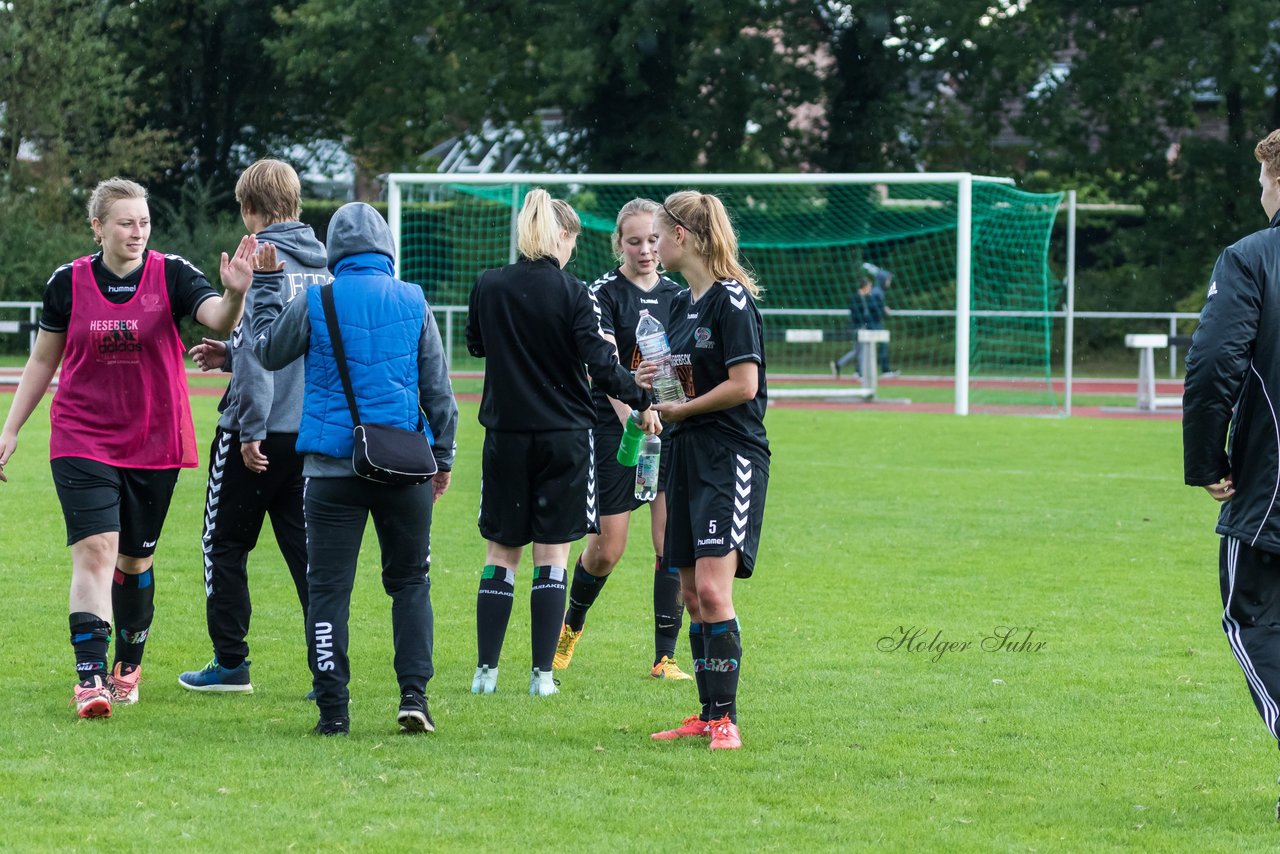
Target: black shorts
{"x": 98, "y": 498}
{"x": 715, "y": 500}
{"x": 538, "y": 487}
{"x": 616, "y": 483}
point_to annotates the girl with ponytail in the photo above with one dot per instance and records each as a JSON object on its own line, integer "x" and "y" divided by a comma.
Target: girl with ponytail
{"x": 536, "y": 326}
{"x": 633, "y": 286}
{"x": 719, "y": 449}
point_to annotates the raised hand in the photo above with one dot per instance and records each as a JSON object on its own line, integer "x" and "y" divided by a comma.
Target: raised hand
{"x": 237, "y": 271}
{"x": 266, "y": 262}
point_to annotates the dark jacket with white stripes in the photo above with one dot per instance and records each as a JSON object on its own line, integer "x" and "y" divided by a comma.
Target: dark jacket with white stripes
{"x": 1234, "y": 364}
{"x": 536, "y": 326}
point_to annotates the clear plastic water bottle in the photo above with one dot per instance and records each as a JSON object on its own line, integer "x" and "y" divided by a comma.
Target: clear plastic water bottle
{"x": 651, "y": 338}
{"x": 647, "y": 468}
{"x": 629, "y": 447}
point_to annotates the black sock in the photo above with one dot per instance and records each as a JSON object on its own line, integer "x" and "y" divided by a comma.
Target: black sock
{"x": 493, "y": 610}
{"x": 668, "y": 610}
{"x": 698, "y": 651}
{"x": 546, "y": 605}
{"x": 90, "y": 636}
{"x": 724, "y": 663}
{"x": 133, "y": 600}
{"x": 586, "y": 587}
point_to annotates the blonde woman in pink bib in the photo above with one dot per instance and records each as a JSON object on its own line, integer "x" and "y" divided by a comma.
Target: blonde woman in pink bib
{"x": 121, "y": 424}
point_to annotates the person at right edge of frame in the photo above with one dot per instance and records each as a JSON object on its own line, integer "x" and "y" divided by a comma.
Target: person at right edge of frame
{"x": 719, "y": 449}
{"x": 1230, "y": 444}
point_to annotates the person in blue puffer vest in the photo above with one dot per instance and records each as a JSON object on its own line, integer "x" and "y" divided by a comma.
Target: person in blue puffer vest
{"x": 399, "y": 377}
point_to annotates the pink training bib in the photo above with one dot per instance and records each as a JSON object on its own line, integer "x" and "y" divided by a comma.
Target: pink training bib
{"x": 122, "y": 395}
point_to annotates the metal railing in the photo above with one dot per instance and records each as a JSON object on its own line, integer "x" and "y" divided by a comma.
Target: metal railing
{"x": 451, "y": 317}
{"x": 15, "y": 326}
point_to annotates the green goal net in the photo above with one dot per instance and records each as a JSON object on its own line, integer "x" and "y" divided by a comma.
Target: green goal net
{"x": 807, "y": 241}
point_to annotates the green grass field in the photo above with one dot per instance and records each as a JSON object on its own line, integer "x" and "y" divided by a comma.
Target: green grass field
{"x": 1129, "y": 727}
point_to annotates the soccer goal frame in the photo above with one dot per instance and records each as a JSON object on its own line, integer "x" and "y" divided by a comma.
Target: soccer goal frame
{"x": 520, "y": 183}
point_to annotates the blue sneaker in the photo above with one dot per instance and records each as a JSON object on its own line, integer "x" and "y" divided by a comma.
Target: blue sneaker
{"x": 215, "y": 677}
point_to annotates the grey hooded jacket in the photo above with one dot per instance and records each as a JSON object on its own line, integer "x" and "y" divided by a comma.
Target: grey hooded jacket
{"x": 281, "y": 333}
{"x": 261, "y": 401}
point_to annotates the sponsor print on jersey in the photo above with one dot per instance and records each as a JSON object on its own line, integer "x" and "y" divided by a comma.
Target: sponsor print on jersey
{"x": 684, "y": 372}
{"x": 115, "y": 341}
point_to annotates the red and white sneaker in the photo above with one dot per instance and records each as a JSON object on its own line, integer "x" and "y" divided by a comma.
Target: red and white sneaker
{"x": 692, "y": 727}
{"x": 124, "y": 685}
{"x": 724, "y": 735}
{"x": 93, "y": 700}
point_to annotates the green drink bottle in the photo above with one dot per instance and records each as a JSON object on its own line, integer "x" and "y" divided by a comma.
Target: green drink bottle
{"x": 629, "y": 447}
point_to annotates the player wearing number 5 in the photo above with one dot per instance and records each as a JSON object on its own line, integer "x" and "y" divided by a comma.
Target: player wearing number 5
{"x": 719, "y": 450}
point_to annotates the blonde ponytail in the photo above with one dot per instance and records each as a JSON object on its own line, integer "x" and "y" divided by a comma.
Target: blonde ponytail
{"x": 711, "y": 235}
{"x": 540, "y": 222}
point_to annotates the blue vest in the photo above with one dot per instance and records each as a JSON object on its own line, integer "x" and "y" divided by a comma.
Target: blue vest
{"x": 381, "y": 321}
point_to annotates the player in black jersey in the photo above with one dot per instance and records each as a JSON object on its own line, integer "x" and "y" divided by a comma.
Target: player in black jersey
{"x": 621, "y": 294}
{"x": 536, "y": 326}
{"x": 719, "y": 450}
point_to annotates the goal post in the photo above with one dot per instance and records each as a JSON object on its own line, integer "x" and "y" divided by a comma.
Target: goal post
{"x": 971, "y": 302}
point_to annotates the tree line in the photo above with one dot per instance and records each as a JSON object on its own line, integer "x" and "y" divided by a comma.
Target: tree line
{"x": 1149, "y": 103}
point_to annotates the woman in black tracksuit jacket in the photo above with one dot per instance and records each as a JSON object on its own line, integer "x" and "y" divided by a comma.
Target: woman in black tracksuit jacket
{"x": 537, "y": 326}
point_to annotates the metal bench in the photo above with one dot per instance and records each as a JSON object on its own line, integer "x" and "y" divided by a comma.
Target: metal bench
{"x": 1146, "y": 345}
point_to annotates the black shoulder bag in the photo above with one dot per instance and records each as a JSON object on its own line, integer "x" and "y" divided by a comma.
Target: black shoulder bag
{"x": 382, "y": 453}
